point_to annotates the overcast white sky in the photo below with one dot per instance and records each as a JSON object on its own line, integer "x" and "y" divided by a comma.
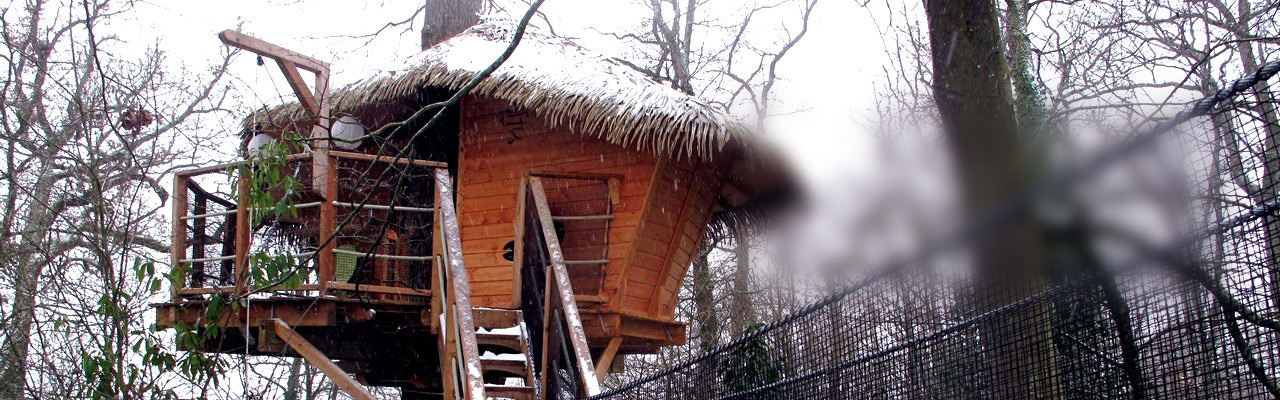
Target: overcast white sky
{"x": 828, "y": 76}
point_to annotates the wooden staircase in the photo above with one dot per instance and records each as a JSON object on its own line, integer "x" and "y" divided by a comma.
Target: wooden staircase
{"x": 506, "y": 360}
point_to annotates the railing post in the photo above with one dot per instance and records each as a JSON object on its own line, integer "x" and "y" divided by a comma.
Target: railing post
{"x": 458, "y": 290}
{"x": 328, "y": 213}
{"x": 437, "y": 264}
{"x": 243, "y": 229}
{"x": 178, "y": 235}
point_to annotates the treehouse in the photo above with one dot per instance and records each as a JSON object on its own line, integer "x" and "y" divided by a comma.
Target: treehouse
{"x": 551, "y": 213}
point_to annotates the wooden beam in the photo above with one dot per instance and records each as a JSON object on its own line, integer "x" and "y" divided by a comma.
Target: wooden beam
{"x": 402, "y": 291}
{"x": 318, "y": 359}
{"x": 299, "y": 86}
{"x": 606, "y": 357}
{"x": 262, "y": 48}
{"x": 178, "y": 235}
{"x": 227, "y": 166}
{"x": 673, "y": 244}
{"x": 294, "y": 313}
{"x": 386, "y": 159}
{"x": 517, "y": 250}
{"x": 231, "y": 289}
{"x": 244, "y": 232}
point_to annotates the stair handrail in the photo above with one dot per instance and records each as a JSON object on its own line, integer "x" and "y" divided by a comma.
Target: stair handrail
{"x": 559, "y": 295}
{"x": 451, "y": 302}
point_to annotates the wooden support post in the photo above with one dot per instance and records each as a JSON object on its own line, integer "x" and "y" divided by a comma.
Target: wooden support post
{"x": 318, "y": 359}
{"x": 316, "y": 102}
{"x": 244, "y": 229}
{"x": 178, "y": 235}
{"x": 438, "y": 294}
{"x": 517, "y": 264}
{"x": 606, "y": 357}
{"x": 325, "y": 259}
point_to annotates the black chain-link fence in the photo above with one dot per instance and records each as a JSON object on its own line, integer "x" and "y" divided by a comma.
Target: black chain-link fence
{"x": 1160, "y": 278}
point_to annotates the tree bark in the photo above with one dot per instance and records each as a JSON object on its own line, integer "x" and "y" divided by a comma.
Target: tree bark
{"x": 446, "y": 18}
{"x": 972, "y": 91}
{"x": 741, "y": 309}
{"x": 704, "y": 303}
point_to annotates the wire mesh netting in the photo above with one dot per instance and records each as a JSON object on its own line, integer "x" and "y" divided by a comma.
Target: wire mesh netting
{"x": 580, "y": 209}
{"x": 211, "y": 238}
{"x": 381, "y": 246}
{"x": 559, "y": 370}
{"x": 1163, "y": 281}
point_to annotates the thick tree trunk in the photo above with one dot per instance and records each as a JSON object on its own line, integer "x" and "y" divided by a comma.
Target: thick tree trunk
{"x": 28, "y": 267}
{"x": 704, "y": 303}
{"x": 975, "y": 103}
{"x": 1030, "y": 106}
{"x": 446, "y": 18}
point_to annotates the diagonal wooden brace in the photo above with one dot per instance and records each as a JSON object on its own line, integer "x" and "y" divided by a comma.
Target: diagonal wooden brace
{"x": 315, "y": 357}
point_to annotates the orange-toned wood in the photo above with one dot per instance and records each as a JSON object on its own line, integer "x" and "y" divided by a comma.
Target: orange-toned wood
{"x": 606, "y": 357}
{"x": 325, "y": 258}
{"x": 437, "y": 285}
{"x": 687, "y": 239}
{"x": 386, "y": 159}
{"x": 625, "y": 298}
{"x": 260, "y": 47}
{"x": 232, "y": 289}
{"x": 663, "y": 283}
{"x": 244, "y": 232}
{"x": 491, "y": 167}
{"x": 321, "y": 361}
{"x": 178, "y": 236}
{"x": 300, "y": 89}
{"x": 295, "y": 313}
{"x": 459, "y": 332}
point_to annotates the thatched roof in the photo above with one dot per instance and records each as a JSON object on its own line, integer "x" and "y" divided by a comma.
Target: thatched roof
{"x": 568, "y": 85}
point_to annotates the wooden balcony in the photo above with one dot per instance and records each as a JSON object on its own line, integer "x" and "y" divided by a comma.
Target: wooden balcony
{"x": 336, "y": 228}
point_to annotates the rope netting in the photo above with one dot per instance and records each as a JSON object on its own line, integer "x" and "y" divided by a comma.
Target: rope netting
{"x": 1162, "y": 280}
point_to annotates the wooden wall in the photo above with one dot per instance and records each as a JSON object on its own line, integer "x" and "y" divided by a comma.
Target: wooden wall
{"x": 681, "y": 201}
{"x": 497, "y": 149}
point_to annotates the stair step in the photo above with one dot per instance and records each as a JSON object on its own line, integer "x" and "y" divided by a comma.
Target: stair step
{"x": 509, "y": 392}
{"x": 505, "y": 340}
{"x": 514, "y": 367}
{"x": 495, "y": 318}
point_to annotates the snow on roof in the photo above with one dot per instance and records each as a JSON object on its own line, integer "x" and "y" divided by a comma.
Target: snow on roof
{"x": 567, "y": 84}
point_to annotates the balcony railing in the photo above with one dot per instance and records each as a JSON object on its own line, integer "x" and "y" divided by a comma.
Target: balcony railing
{"x": 359, "y": 229}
